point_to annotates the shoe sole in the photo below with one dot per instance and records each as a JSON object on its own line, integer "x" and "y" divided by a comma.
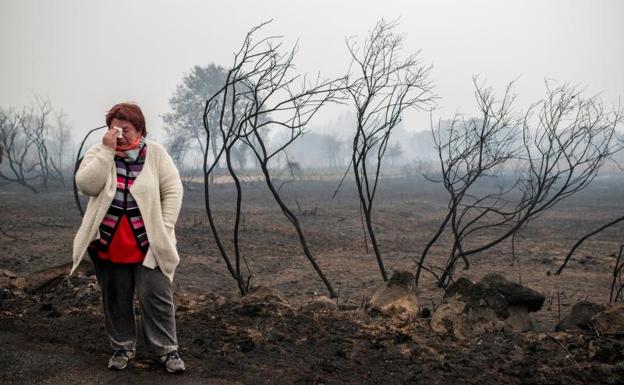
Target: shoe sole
{"x": 171, "y": 370}
{"x": 125, "y": 366}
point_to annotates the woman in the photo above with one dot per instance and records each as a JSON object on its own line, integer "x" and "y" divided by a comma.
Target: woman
{"x": 128, "y": 231}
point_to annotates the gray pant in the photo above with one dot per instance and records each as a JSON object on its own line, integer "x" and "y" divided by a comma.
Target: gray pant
{"x": 154, "y": 290}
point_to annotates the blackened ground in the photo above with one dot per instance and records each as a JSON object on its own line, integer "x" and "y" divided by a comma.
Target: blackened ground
{"x": 57, "y": 337}
{"x": 54, "y": 333}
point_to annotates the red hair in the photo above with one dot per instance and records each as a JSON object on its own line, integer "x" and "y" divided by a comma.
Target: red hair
{"x": 129, "y": 112}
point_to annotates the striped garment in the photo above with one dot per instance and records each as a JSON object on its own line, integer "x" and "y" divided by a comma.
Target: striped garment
{"x": 128, "y": 169}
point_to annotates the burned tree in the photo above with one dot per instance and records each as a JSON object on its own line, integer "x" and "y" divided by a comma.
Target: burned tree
{"x": 585, "y": 237}
{"x": 469, "y": 151}
{"x": 617, "y": 285}
{"x": 262, "y": 95}
{"x": 16, "y": 158}
{"x": 61, "y": 139}
{"x": 37, "y": 129}
{"x": 381, "y": 86}
{"x": 594, "y": 232}
{"x": 564, "y": 141}
{"x": 333, "y": 150}
{"x": 77, "y": 163}
{"x": 178, "y": 147}
{"x": 26, "y": 137}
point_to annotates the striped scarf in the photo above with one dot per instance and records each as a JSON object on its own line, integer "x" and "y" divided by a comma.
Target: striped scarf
{"x": 128, "y": 168}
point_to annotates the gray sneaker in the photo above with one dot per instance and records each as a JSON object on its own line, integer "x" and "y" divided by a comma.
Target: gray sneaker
{"x": 173, "y": 363}
{"x": 119, "y": 359}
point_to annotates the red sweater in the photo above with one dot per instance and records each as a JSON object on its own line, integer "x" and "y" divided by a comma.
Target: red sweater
{"x": 123, "y": 248}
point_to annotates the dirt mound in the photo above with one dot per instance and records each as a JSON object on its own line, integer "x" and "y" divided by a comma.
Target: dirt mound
{"x": 262, "y": 301}
{"x": 610, "y": 320}
{"x": 50, "y": 293}
{"x": 580, "y": 317}
{"x": 493, "y": 304}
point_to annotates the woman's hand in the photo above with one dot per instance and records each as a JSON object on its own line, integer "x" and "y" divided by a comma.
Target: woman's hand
{"x": 110, "y": 138}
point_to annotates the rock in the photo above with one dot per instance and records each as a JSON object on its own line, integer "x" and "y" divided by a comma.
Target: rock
{"x": 469, "y": 310}
{"x": 320, "y": 304}
{"x": 397, "y": 296}
{"x": 494, "y": 304}
{"x": 514, "y": 293}
{"x": 455, "y": 319}
{"x": 519, "y": 319}
{"x": 610, "y": 320}
{"x": 404, "y": 279}
{"x": 580, "y": 317}
{"x": 478, "y": 295}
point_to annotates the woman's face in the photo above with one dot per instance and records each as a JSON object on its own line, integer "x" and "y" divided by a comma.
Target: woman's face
{"x": 129, "y": 134}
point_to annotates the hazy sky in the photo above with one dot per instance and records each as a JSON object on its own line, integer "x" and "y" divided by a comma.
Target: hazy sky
{"x": 88, "y": 55}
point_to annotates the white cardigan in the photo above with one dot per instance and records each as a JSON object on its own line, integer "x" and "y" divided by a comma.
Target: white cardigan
{"x": 158, "y": 194}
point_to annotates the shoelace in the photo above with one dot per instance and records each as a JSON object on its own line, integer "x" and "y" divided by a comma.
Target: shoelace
{"x": 120, "y": 353}
{"x": 172, "y": 355}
